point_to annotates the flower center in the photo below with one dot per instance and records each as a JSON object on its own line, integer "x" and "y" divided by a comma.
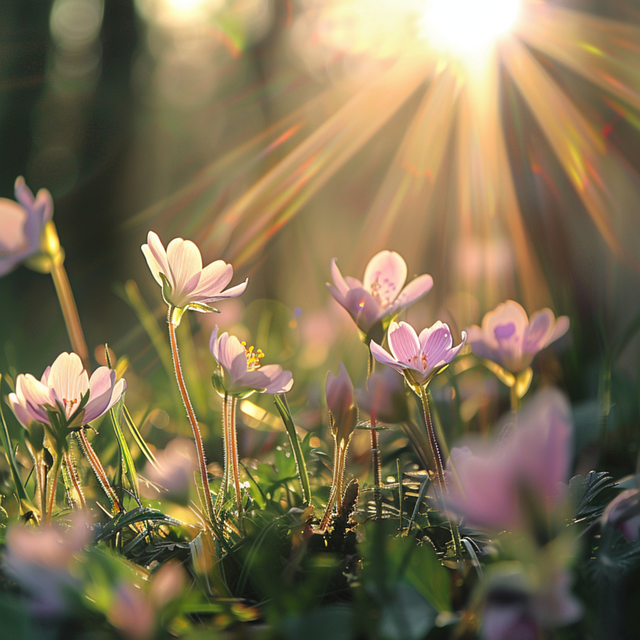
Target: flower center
{"x": 419, "y": 361}
{"x": 68, "y": 405}
{"x": 383, "y": 290}
{"x": 253, "y": 357}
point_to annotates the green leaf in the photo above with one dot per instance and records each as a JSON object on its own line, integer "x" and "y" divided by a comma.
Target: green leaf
{"x": 405, "y": 614}
{"x": 589, "y": 496}
{"x": 142, "y": 445}
{"x": 301, "y": 465}
{"x": 126, "y": 459}
{"x": 126, "y": 518}
{"x": 429, "y": 577}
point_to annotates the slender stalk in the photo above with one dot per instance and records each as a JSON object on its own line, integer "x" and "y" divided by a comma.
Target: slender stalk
{"x": 69, "y": 310}
{"x": 375, "y": 449}
{"x": 53, "y": 484}
{"x": 232, "y": 437}
{"x": 339, "y": 468}
{"x": 98, "y": 469}
{"x": 72, "y": 481}
{"x": 441, "y": 481}
{"x": 225, "y": 462}
{"x": 207, "y": 506}
{"x": 515, "y": 400}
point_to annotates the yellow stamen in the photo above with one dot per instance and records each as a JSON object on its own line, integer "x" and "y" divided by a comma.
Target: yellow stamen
{"x": 253, "y": 357}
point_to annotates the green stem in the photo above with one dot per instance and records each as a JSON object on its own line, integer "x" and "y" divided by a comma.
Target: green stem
{"x": 98, "y": 469}
{"x": 515, "y": 400}
{"x": 375, "y": 449}
{"x": 72, "y": 481}
{"x": 53, "y": 484}
{"x": 441, "y": 482}
{"x": 207, "y": 505}
{"x": 69, "y": 310}
{"x": 232, "y": 436}
{"x": 339, "y": 468}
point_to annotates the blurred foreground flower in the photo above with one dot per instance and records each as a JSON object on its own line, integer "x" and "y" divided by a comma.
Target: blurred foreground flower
{"x": 510, "y": 339}
{"x": 343, "y": 415}
{"x": 65, "y": 397}
{"x": 241, "y": 372}
{"x": 623, "y": 513}
{"x": 419, "y": 358}
{"x": 385, "y": 398}
{"x": 519, "y": 606}
{"x": 22, "y": 225}
{"x": 39, "y": 560}
{"x": 174, "y": 471}
{"x": 185, "y": 284}
{"x": 380, "y": 295}
{"x": 502, "y": 487}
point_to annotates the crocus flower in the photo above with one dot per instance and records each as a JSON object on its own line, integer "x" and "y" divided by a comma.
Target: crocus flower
{"x": 532, "y": 460}
{"x": 21, "y": 224}
{"x": 241, "y": 371}
{"x": 510, "y": 339}
{"x": 185, "y": 284}
{"x": 421, "y": 357}
{"x": 65, "y": 394}
{"x": 623, "y": 513}
{"x": 380, "y": 294}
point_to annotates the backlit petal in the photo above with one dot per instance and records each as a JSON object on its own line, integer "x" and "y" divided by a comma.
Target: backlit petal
{"x": 185, "y": 261}
{"x": 338, "y": 280}
{"x": 385, "y": 275}
{"x": 383, "y": 357}
{"x": 411, "y": 293}
{"x": 403, "y": 342}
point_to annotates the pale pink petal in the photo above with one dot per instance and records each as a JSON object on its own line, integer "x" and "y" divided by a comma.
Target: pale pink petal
{"x": 483, "y": 346}
{"x": 233, "y": 356}
{"x": 270, "y": 379}
{"x": 435, "y": 340}
{"x": 213, "y": 279}
{"x": 213, "y": 342}
{"x": 383, "y": 357}
{"x": 156, "y": 257}
{"x": 415, "y": 290}
{"x": 562, "y": 326}
{"x": 505, "y": 313}
{"x": 353, "y": 283}
{"x": 185, "y": 261}
{"x": 100, "y": 391}
{"x": 385, "y": 276}
{"x": 68, "y": 378}
{"x": 338, "y": 280}
{"x": 403, "y": 342}
{"x": 340, "y": 393}
{"x": 45, "y": 376}
{"x": 35, "y": 395}
{"x": 362, "y": 307}
{"x": 20, "y": 411}
{"x": 537, "y": 334}
{"x": 338, "y": 296}
{"x": 12, "y": 220}
{"x": 233, "y": 292}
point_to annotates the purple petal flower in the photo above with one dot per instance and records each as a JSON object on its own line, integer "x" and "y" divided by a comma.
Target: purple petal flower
{"x": 533, "y": 457}
{"x": 63, "y": 388}
{"x": 380, "y": 294}
{"x": 189, "y": 285}
{"x": 623, "y": 513}
{"x": 242, "y": 373}
{"x": 341, "y": 404}
{"x": 418, "y": 357}
{"x": 509, "y": 338}
{"x": 21, "y": 224}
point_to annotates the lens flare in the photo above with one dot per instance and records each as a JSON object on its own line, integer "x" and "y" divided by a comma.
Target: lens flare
{"x": 467, "y": 27}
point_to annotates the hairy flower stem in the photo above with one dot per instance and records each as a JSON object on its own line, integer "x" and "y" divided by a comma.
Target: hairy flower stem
{"x": 71, "y": 478}
{"x": 375, "y": 450}
{"x": 232, "y": 455}
{"x": 441, "y": 481}
{"x": 98, "y": 469}
{"x": 205, "y": 498}
{"x": 337, "y": 484}
{"x": 52, "y": 485}
{"x": 69, "y": 309}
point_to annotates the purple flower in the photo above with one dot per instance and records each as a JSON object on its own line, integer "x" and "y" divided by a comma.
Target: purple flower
{"x": 185, "y": 284}
{"x": 242, "y": 373}
{"x": 531, "y": 460}
{"x": 341, "y": 404}
{"x": 39, "y": 561}
{"x": 519, "y": 606}
{"x": 380, "y": 294}
{"x": 66, "y": 390}
{"x": 421, "y": 357}
{"x": 21, "y": 224}
{"x": 509, "y": 338}
{"x": 623, "y": 513}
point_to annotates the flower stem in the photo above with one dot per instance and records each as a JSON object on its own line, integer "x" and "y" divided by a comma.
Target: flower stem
{"x": 69, "y": 309}
{"x": 53, "y": 484}
{"x": 232, "y": 442}
{"x": 375, "y": 449}
{"x": 339, "y": 465}
{"x": 98, "y": 469}
{"x": 441, "y": 481}
{"x": 72, "y": 481}
{"x": 207, "y": 505}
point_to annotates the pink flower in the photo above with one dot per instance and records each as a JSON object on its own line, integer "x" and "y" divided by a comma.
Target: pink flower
{"x": 623, "y": 513}
{"x": 21, "y": 224}
{"x": 385, "y": 398}
{"x": 66, "y": 391}
{"x": 419, "y": 358}
{"x": 242, "y": 373}
{"x": 39, "y": 561}
{"x": 341, "y": 404}
{"x": 509, "y": 338}
{"x": 518, "y": 607}
{"x": 380, "y": 295}
{"x": 185, "y": 284}
{"x": 531, "y": 460}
